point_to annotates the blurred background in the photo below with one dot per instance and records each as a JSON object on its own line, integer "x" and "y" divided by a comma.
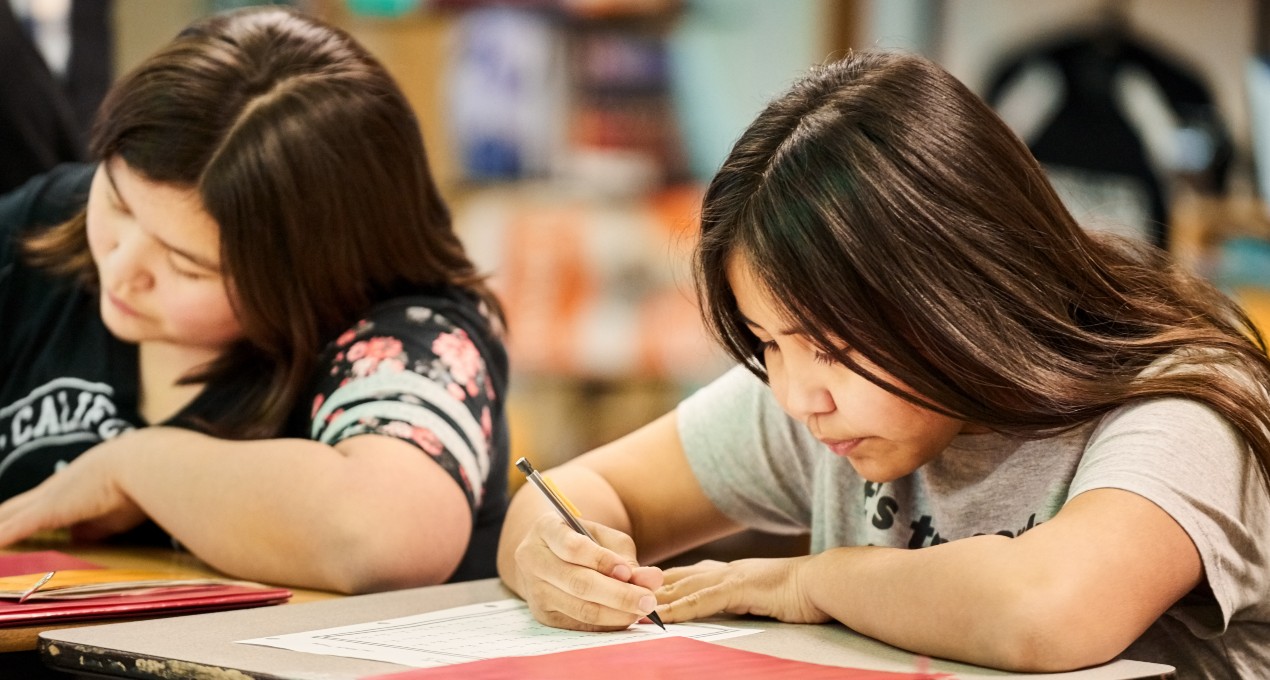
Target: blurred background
{"x": 573, "y": 139}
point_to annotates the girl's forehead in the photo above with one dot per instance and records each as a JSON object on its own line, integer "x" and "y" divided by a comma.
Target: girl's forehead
{"x": 744, "y": 280}
{"x": 173, "y": 214}
{"x": 756, "y": 302}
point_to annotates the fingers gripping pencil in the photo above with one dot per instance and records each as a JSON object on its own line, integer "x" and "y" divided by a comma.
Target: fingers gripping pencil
{"x": 567, "y": 511}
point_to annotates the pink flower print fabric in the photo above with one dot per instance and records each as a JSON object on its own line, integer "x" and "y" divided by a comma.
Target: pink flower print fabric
{"x": 411, "y": 373}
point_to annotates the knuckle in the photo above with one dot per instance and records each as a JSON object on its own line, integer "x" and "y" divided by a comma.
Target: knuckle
{"x": 539, "y": 591}
{"x": 603, "y": 562}
{"x": 579, "y": 583}
{"x": 573, "y": 547}
{"x": 621, "y": 543}
{"x": 692, "y": 599}
{"x": 669, "y": 591}
{"x": 589, "y": 612}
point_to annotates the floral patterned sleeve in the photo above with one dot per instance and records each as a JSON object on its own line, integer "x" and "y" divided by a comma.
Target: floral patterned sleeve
{"x": 412, "y": 372}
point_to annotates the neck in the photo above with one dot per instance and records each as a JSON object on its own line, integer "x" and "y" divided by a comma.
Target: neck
{"x": 162, "y": 365}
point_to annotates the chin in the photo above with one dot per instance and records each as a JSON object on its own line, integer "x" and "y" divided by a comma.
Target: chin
{"x": 873, "y": 474}
{"x": 121, "y": 328}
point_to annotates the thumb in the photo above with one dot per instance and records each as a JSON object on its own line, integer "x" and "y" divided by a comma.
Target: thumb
{"x": 648, "y": 577}
{"x": 621, "y": 546}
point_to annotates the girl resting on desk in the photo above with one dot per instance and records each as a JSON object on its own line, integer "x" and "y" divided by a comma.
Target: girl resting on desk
{"x": 257, "y": 327}
{"x": 1013, "y": 442}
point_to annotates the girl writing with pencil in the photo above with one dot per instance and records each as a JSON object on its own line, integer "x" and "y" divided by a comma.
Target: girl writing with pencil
{"x": 1013, "y": 442}
{"x": 252, "y": 323}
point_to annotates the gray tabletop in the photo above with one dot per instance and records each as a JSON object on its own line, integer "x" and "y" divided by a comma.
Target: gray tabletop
{"x": 204, "y": 645}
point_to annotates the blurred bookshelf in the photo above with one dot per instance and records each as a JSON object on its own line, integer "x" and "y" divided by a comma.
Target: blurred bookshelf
{"x": 572, "y": 139}
{"x": 556, "y": 128}
{"x": 1226, "y": 239}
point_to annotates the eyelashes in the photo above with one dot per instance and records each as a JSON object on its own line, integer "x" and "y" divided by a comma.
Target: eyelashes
{"x": 762, "y": 347}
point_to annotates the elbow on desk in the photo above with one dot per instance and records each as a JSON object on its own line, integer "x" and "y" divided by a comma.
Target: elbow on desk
{"x": 1042, "y": 635}
{"x": 364, "y": 556}
{"x": 369, "y": 568}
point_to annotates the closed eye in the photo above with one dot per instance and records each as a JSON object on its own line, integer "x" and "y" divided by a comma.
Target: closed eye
{"x": 183, "y": 270}
{"x": 760, "y": 349}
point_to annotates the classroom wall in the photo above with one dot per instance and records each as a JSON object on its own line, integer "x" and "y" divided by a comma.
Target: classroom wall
{"x": 142, "y": 26}
{"x": 729, "y": 57}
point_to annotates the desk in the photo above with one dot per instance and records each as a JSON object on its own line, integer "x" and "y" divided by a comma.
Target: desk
{"x": 202, "y": 646}
{"x": 170, "y": 562}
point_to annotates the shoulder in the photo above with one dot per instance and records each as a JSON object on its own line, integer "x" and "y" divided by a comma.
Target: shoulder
{"x": 443, "y": 309}
{"x": 426, "y": 369}
{"x": 748, "y": 455}
{"x": 42, "y": 201}
{"x": 1192, "y": 463}
{"x": 1175, "y": 422}
{"x": 448, "y": 324}
{"x": 1183, "y": 433}
{"x": 47, "y": 199}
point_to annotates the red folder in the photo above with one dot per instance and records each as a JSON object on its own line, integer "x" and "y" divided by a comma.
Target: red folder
{"x": 668, "y": 658}
{"x": 17, "y": 564}
{"x": 163, "y": 601}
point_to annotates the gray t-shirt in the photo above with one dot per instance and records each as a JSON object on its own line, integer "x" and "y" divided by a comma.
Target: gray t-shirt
{"x": 765, "y": 470}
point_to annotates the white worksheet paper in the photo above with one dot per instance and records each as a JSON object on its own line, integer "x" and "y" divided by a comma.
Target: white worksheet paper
{"x": 471, "y": 633}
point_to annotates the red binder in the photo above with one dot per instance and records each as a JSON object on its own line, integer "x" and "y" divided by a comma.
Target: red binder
{"x": 150, "y": 601}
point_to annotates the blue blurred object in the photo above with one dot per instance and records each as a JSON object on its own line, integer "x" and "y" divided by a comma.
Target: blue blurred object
{"x": 505, "y": 88}
{"x": 382, "y": 8}
{"x": 1258, "y": 80}
{"x": 1244, "y": 262}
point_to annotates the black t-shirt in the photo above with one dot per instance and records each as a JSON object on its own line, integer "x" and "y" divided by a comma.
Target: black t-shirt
{"x": 425, "y": 368}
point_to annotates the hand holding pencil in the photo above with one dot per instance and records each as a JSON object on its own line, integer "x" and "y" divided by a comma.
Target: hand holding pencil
{"x": 582, "y": 575}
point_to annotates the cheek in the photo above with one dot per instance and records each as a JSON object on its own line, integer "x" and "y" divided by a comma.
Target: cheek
{"x": 101, "y": 237}
{"x": 928, "y": 433}
{"x": 776, "y": 379}
{"x": 901, "y": 419}
{"x": 205, "y": 317}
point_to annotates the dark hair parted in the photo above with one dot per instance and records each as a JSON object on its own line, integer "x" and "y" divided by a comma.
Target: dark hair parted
{"x": 893, "y": 213}
{"x": 310, "y": 159}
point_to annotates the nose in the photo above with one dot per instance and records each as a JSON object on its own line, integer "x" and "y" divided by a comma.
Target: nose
{"x": 800, "y": 388}
{"x": 128, "y": 265}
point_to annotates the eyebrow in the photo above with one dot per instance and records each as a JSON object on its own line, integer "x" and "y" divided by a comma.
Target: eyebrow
{"x": 192, "y": 257}
{"x": 783, "y": 331}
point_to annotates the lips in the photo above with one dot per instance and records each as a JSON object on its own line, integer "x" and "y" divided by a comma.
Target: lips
{"x": 121, "y": 305}
{"x": 842, "y": 447}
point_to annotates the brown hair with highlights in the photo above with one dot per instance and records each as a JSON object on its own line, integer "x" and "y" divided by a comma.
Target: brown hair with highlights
{"x": 894, "y": 214}
{"x": 308, "y": 156}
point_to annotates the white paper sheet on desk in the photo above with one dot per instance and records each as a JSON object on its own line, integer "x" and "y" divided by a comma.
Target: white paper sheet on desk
{"x": 471, "y": 633}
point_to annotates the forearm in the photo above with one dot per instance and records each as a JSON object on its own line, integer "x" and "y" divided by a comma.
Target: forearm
{"x": 290, "y": 511}
{"x": 979, "y": 600}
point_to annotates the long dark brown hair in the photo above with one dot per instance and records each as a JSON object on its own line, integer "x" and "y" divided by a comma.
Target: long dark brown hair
{"x": 308, "y": 156}
{"x": 893, "y": 213}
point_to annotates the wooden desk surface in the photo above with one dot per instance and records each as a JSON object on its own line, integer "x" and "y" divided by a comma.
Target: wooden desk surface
{"x": 204, "y": 645}
{"x": 172, "y": 562}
